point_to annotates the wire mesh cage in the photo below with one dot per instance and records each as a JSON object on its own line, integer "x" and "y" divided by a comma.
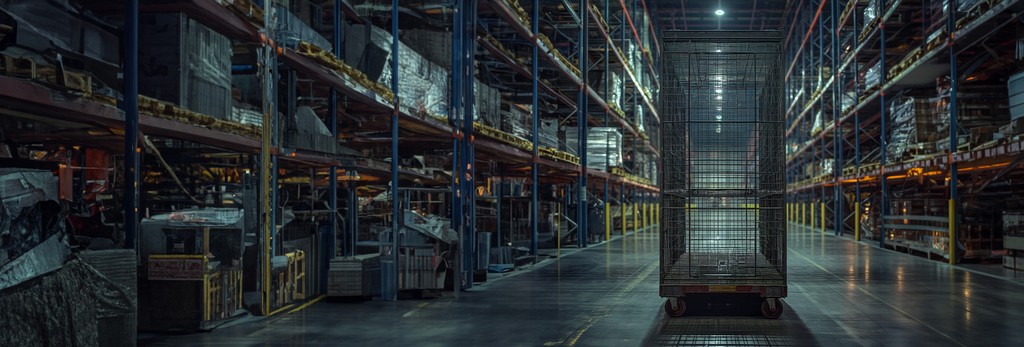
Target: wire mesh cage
{"x": 723, "y": 181}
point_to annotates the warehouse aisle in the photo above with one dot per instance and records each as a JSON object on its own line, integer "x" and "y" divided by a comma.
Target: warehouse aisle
{"x": 841, "y": 293}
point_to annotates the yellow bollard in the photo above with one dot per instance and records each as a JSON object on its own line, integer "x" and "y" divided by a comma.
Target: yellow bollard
{"x": 822, "y": 217}
{"x": 856, "y": 221}
{"x": 607, "y": 221}
{"x": 622, "y": 216}
{"x": 952, "y": 232}
{"x": 810, "y": 206}
{"x": 800, "y": 206}
{"x": 636, "y": 211}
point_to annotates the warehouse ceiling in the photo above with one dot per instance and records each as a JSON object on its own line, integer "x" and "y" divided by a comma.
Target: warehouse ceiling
{"x": 736, "y": 14}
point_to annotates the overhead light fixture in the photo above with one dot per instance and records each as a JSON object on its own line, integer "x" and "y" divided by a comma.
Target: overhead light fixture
{"x": 719, "y": 91}
{"x": 718, "y": 51}
{"x": 719, "y": 12}
{"x": 719, "y": 97}
{"x": 718, "y": 117}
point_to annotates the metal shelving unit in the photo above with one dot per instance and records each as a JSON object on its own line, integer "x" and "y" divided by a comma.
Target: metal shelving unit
{"x": 366, "y": 115}
{"x": 846, "y": 163}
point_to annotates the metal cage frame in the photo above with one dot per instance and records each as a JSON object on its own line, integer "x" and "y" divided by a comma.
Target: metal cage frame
{"x": 723, "y": 165}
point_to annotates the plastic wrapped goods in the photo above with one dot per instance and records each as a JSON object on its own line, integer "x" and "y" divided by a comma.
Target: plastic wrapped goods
{"x": 604, "y": 148}
{"x": 548, "y": 133}
{"x": 873, "y": 76}
{"x": 910, "y": 122}
{"x": 291, "y": 30}
{"x": 184, "y": 62}
{"x": 423, "y": 85}
{"x": 46, "y": 25}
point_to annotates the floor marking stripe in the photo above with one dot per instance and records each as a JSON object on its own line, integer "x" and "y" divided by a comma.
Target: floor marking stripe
{"x": 591, "y": 318}
{"x": 873, "y": 296}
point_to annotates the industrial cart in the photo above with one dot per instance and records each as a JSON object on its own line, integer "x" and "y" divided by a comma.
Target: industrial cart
{"x": 723, "y": 225}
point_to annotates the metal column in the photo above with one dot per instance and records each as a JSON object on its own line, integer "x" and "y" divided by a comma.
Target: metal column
{"x": 953, "y": 141}
{"x": 837, "y": 140}
{"x": 582, "y": 114}
{"x": 332, "y": 178}
{"x": 389, "y": 278}
{"x": 607, "y": 72}
{"x": 883, "y": 209}
{"x": 469, "y": 193}
{"x": 856, "y": 142}
{"x": 534, "y": 208}
{"x": 457, "y": 138}
{"x": 130, "y": 106}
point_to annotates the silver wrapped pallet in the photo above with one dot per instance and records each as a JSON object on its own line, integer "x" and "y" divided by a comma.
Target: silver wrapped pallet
{"x": 423, "y": 85}
{"x": 184, "y": 62}
{"x": 291, "y": 30}
{"x": 911, "y": 123}
{"x": 604, "y": 148}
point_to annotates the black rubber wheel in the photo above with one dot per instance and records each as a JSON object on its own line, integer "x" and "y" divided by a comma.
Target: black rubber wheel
{"x": 768, "y": 312}
{"x": 675, "y": 311}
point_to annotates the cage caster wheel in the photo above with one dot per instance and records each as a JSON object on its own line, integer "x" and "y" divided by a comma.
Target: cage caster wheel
{"x": 771, "y": 308}
{"x": 676, "y": 310}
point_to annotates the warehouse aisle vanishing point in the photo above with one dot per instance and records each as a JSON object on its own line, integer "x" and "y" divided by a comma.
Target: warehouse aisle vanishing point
{"x": 841, "y": 293}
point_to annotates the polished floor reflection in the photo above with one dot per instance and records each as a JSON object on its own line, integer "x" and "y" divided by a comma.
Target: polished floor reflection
{"x": 841, "y": 293}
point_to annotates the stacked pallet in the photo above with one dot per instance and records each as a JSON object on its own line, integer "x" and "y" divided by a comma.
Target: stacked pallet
{"x": 353, "y": 276}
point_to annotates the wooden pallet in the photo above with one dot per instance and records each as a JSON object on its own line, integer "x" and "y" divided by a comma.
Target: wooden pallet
{"x": 555, "y": 154}
{"x": 502, "y": 136}
{"x": 27, "y": 68}
{"x": 165, "y": 110}
{"x": 618, "y": 171}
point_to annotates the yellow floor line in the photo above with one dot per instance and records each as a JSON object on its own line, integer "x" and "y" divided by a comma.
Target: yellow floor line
{"x": 279, "y": 310}
{"x": 307, "y": 304}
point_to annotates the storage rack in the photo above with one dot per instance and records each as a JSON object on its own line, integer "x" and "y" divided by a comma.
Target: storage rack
{"x": 841, "y": 129}
{"x": 366, "y": 115}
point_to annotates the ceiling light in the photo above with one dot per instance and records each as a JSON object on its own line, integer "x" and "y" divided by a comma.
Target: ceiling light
{"x": 718, "y": 51}
{"x": 719, "y": 97}
{"x": 718, "y": 117}
{"x": 719, "y": 91}
{"x": 719, "y": 12}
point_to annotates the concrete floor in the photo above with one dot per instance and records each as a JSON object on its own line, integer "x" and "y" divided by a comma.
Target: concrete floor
{"x": 841, "y": 293}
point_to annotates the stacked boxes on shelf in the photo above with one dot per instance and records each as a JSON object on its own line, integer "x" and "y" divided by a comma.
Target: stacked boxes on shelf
{"x": 1015, "y": 86}
{"x": 913, "y": 126}
{"x": 292, "y": 29}
{"x": 981, "y": 109}
{"x": 487, "y": 105}
{"x": 435, "y": 46}
{"x": 870, "y": 12}
{"x": 424, "y": 84}
{"x": 515, "y": 120}
{"x": 873, "y": 76}
{"x": 184, "y": 62}
{"x": 1013, "y": 239}
{"x": 305, "y": 130}
{"x": 604, "y": 148}
{"x": 612, "y": 82}
{"x": 56, "y": 26}
{"x": 548, "y": 133}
